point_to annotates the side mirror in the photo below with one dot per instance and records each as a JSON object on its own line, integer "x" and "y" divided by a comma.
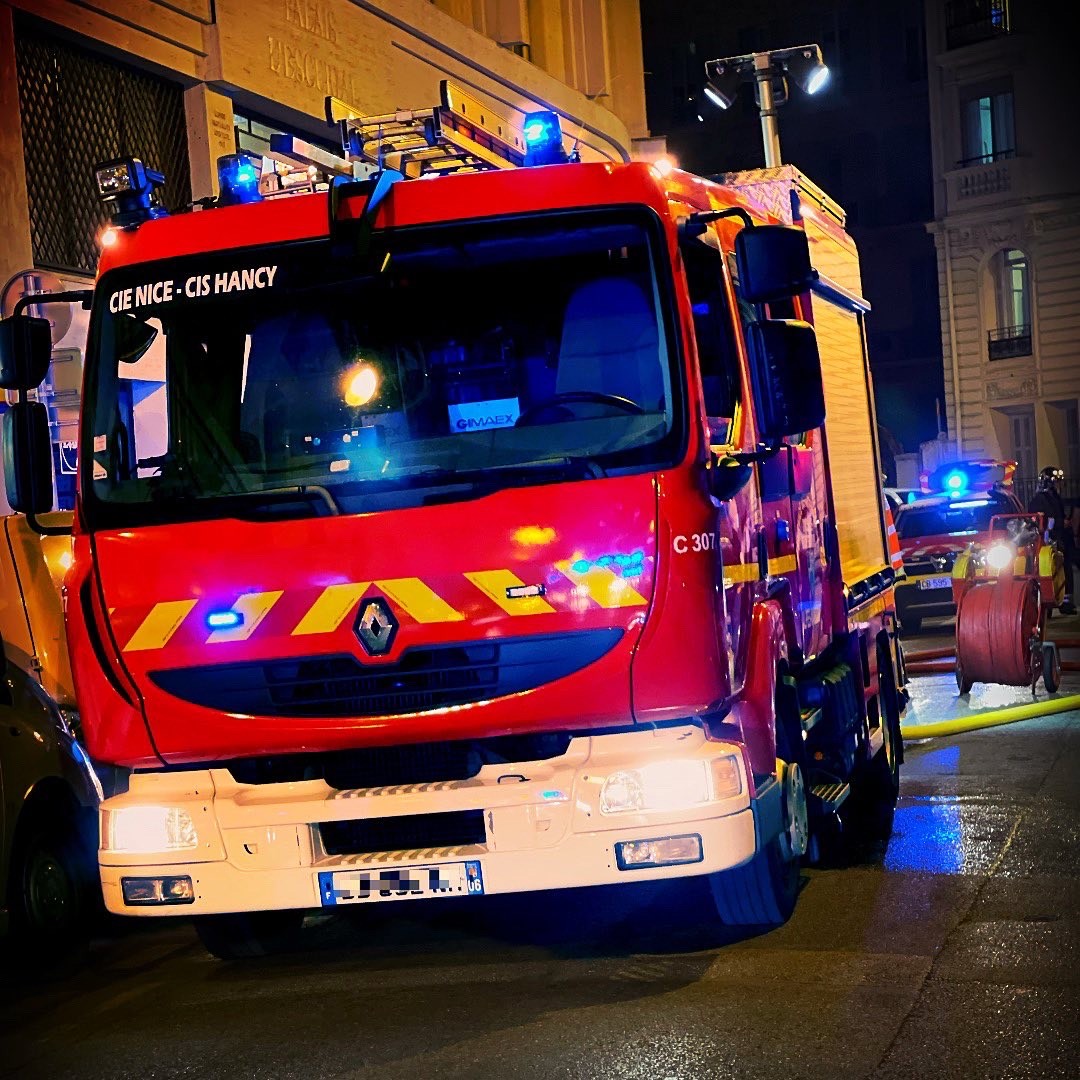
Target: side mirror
{"x": 727, "y": 477}
{"x": 25, "y": 352}
{"x": 773, "y": 262}
{"x": 132, "y": 337}
{"x": 785, "y": 371}
{"x": 28, "y": 465}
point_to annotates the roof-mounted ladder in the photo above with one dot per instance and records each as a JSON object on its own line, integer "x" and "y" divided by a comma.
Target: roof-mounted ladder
{"x": 460, "y": 134}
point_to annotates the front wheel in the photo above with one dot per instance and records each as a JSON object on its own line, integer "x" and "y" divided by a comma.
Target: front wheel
{"x": 246, "y": 934}
{"x": 53, "y": 888}
{"x": 763, "y": 892}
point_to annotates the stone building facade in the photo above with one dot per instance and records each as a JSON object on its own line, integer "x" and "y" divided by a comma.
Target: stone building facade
{"x": 1007, "y": 232}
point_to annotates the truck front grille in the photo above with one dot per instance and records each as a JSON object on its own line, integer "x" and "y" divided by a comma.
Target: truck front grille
{"x": 424, "y": 678}
{"x": 411, "y": 763}
{"x": 369, "y": 836}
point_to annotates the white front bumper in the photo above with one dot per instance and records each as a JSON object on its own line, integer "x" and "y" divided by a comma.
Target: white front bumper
{"x": 259, "y": 846}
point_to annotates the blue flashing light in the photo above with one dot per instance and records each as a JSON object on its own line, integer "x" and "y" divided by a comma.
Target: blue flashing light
{"x": 956, "y": 481}
{"x": 224, "y": 620}
{"x": 238, "y": 180}
{"x": 543, "y": 139}
{"x": 581, "y": 566}
{"x": 969, "y": 504}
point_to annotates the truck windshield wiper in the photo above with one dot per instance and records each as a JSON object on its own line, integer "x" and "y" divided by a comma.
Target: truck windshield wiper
{"x": 274, "y": 495}
{"x": 495, "y": 476}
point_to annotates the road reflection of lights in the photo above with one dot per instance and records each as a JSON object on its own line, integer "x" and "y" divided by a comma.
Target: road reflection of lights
{"x": 928, "y": 832}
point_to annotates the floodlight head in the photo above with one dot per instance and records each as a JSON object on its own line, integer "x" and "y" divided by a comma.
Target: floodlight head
{"x": 722, "y": 85}
{"x": 808, "y": 69}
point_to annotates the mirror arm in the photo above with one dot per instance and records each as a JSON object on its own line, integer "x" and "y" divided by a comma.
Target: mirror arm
{"x": 46, "y": 530}
{"x": 694, "y": 224}
{"x": 751, "y": 457}
{"x": 74, "y": 296}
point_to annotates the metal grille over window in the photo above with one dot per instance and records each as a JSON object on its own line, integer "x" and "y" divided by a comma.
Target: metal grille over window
{"x": 77, "y": 110}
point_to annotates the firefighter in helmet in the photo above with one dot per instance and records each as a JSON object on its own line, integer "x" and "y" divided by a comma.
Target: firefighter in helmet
{"x": 1047, "y": 500}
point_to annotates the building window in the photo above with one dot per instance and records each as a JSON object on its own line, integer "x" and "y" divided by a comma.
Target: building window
{"x": 79, "y": 109}
{"x": 969, "y": 21}
{"x": 253, "y": 136}
{"x": 1022, "y": 436}
{"x": 1072, "y": 444}
{"x": 1012, "y": 295}
{"x": 988, "y": 131}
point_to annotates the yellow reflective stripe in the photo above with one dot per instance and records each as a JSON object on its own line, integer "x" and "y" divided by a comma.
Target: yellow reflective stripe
{"x": 738, "y": 573}
{"x": 160, "y": 625}
{"x": 418, "y": 600}
{"x": 785, "y": 564}
{"x": 328, "y": 611}
{"x": 1046, "y": 562}
{"x": 254, "y": 606}
{"x": 604, "y": 586}
{"x": 494, "y": 583}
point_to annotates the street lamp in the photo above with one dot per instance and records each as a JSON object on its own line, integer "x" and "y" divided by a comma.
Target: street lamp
{"x": 769, "y": 71}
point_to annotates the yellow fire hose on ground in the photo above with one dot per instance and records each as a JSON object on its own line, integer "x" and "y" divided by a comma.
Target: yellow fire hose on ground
{"x": 990, "y": 718}
{"x": 942, "y": 660}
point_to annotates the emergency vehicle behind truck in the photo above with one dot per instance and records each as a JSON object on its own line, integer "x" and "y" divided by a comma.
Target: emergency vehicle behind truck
{"x": 489, "y": 533}
{"x": 956, "y": 510}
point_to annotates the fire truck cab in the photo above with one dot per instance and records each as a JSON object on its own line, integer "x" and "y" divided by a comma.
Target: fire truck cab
{"x": 496, "y": 530}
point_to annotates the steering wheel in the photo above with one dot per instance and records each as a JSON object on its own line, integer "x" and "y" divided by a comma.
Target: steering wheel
{"x": 593, "y": 397}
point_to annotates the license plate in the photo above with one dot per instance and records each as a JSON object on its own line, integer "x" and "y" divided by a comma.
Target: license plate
{"x": 338, "y": 887}
{"x": 935, "y": 582}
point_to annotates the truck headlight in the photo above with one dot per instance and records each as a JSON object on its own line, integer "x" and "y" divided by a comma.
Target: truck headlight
{"x": 148, "y": 829}
{"x": 663, "y": 785}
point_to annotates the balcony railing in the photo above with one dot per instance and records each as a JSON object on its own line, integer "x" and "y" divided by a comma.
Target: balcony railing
{"x": 987, "y": 159}
{"x": 971, "y": 21}
{"x": 1007, "y": 342}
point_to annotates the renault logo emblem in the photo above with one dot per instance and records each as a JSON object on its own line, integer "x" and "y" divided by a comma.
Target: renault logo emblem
{"x": 376, "y": 626}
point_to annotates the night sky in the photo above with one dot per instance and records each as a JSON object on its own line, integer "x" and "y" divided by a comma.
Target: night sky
{"x": 865, "y": 139}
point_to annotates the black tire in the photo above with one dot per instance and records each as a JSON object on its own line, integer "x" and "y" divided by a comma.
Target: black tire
{"x": 761, "y": 893}
{"x": 963, "y": 683}
{"x": 248, "y": 934}
{"x": 54, "y": 891}
{"x": 868, "y": 814}
{"x": 1051, "y": 669}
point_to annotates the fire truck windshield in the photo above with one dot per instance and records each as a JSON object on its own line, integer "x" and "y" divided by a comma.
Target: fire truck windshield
{"x": 447, "y": 362}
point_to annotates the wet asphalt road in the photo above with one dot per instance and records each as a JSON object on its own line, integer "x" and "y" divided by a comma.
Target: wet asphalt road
{"x": 957, "y": 955}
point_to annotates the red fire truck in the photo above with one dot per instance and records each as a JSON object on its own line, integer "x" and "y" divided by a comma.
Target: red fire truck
{"x": 458, "y": 529}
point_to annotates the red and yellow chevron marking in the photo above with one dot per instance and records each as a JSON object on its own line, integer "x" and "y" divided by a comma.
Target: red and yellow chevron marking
{"x": 160, "y": 625}
{"x": 604, "y": 586}
{"x": 330, "y": 610}
{"x": 338, "y": 602}
{"x": 494, "y": 583}
{"x": 254, "y": 607}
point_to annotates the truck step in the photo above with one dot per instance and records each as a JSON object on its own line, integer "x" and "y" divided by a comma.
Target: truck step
{"x": 809, "y": 718}
{"x": 830, "y": 796}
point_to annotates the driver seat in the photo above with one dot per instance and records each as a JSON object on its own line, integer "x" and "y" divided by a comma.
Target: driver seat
{"x": 610, "y": 344}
